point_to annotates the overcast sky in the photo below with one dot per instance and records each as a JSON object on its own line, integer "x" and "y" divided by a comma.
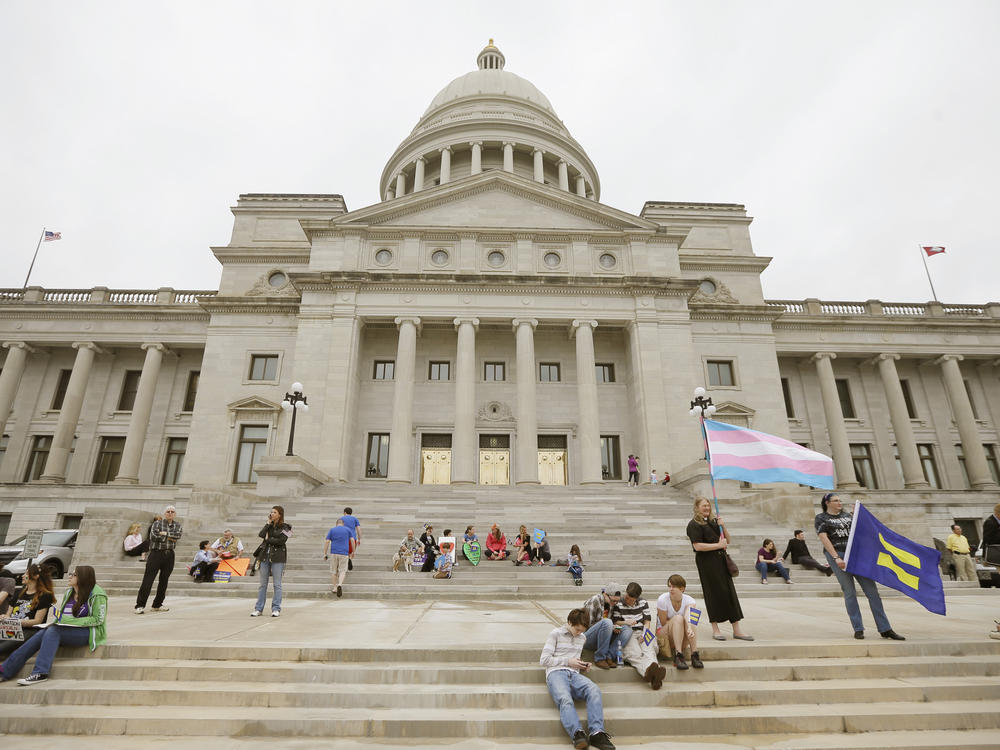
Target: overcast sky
{"x": 852, "y": 131}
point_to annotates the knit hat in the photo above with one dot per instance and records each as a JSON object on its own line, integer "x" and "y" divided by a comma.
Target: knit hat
{"x": 612, "y": 589}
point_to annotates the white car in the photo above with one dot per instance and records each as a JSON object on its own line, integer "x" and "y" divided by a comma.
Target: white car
{"x": 56, "y": 552}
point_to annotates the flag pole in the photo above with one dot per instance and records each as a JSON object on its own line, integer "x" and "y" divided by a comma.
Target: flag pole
{"x": 708, "y": 459}
{"x": 33, "y": 258}
{"x": 923, "y": 257}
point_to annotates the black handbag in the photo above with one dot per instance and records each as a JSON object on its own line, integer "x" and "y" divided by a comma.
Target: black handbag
{"x": 731, "y": 566}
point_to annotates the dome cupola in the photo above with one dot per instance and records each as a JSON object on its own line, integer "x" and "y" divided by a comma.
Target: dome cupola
{"x": 489, "y": 119}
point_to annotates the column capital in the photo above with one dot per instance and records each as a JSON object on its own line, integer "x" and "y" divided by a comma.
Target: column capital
{"x": 459, "y": 321}
{"x": 476, "y": 143}
{"x": 947, "y": 358}
{"x": 560, "y": 162}
{"x": 417, "y": 323}
{"x": 155, "y": 345}
{"x": 537, "y": 150}
{"x": 882, "y": 357}
{"x": 822, "y": 355}
{"x": 445, "y": 148}
{"x": 88, "y": 345}
{"x": 28, "y": 348}
{"x": 579, "y": 323}
{"x": 518, "y": 322}
{"x": 420, "y": 159}
{"x": 512, "y": 144}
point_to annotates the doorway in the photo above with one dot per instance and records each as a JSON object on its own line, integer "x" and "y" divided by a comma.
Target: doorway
{"x": 553, "y": 462}
{"x": 435, "y": 459}
{"x": 494, "y": 459}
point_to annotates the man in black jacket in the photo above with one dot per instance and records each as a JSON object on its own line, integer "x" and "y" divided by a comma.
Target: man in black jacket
{"x": 991, "y": 536}
{"x": 800, "y": 554}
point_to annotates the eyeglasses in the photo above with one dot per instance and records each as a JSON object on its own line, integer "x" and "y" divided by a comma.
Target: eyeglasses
{"x": 73, "y": 574}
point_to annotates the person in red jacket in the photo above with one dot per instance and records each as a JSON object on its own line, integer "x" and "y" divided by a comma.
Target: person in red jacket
{"x": 496, "y": 544}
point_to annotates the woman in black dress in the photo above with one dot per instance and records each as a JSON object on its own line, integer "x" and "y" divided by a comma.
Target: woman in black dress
{"x": 431, "y": 550}
{"x": 716, "y": 584}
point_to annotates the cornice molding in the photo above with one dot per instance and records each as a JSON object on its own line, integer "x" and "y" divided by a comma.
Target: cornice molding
{"x": 279, "y": 306}
{"x": 744, "y": 263}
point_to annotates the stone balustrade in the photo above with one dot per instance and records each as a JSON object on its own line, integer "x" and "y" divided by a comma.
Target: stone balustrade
{"x": 874, "y": 307}
{"x": 104, "y": 296}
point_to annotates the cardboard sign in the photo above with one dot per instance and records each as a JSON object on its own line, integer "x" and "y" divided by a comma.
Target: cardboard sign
{"x": 473, "y": 552}
{"x": 223, "y": 575}
{"x": 539, "y": 535}
{"x": 648, "y": 636}
{"x": 694, "y": 615}
{"x": 235, "y": 567}
{"x": 32, "y": 544}
{"x": 11, "y": 630}
{"x": 418, "y": 558}
{"x": 447, "y": 546}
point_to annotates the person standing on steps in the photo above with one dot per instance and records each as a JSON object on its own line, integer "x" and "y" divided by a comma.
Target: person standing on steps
{"x": 566, "y": 681}
{"x": 339, "y": 543}
{"x": 354, "y": 525}
{"x": 961, "y": 554}
{"x": 710, "y": 539}
{"x": 163, "y": 537}
{"x": 833, "y": 526}
{"x": 272, "y": 559}
{"x": 633, "y": 470}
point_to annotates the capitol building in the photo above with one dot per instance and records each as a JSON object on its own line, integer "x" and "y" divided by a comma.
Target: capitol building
{"x": 488, "y": 322}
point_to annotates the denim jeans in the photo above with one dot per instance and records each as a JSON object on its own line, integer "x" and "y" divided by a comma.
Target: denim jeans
{"x": 275, "y": 570}
{"x": 868, "y": 586}
{"x": 46, "y": 643}
{"x": 565, "y": 686}
{"x": 763, "y": 567}
{"x": 599, "y": 639}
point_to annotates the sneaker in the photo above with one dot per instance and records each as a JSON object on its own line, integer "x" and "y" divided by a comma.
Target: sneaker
{"x": 255, "y": 613}
{"x": 276, "y": 613}
{"x": 31, "y": 679}
{"x": 350, "y": 564}
{"x": 601, "y": 741}
{"x": 139, "y": 610}
{"x": 340, "y": 591}
{"x": 696, "y": 660}
{"x": 679, "y": 661}
{"x": 580, "y": 740}
{"x": 578, "y": 582}
{"x": 160, "y": 609}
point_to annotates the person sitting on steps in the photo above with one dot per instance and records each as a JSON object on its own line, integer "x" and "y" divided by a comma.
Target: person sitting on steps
{"x": 205, "y": 563}
{"x": 522, "y": 544}
{"x": 676, "y": 634}
{"x": 496, "y": 544}
{"x": 633, "y": 612}
{"x": 767, "y": 559}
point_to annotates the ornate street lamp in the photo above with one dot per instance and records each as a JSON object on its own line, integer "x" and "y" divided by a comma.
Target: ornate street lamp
{"x": 702, "y": 407}
{"x": 294, "y": 402}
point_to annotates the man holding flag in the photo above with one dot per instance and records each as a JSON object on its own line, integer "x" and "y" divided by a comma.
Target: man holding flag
{"x": 833, "y": 526}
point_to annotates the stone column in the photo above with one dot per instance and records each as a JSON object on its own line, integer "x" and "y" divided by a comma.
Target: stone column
{"x": 477, "y": 156}
{"x": 418, "y": 176}
{"x": 401, "y": 435}
{"x": 563, "y": 175}
{"x": 913, "y": 473}
{"x": 13, "y": 368}
{"x": 968, "y": 431}
{"x": 69, "y": 415}
{"x": 128, "y": 472}
{"x": 463, "y": 442}
{"x": 445, "y": 164}
{"x": 508, "y": 156}
{"x": 588, "y": 430}
{"x": 840, "y": 447}
{"x": 537, "y": 153}
{"x": 526, "y": 468}
{"x": 581, "y": 186}
{"x": 400, "y": 185}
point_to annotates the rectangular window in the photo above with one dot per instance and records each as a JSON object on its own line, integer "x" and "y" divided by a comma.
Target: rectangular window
{"x": 991, "y": 462}
{"x": 4, "y": 439}
{"x": 720, "y": 372}
{"x": 908, "y": 398}
{"x": 494, "y": 372}
{"x": 109, "y": 459}
{"x": 972, "y": 401}
{"x": 385, "y": 369}
{"x": 611, "y": 458}
{"x": 130, "y": 387}
{"x": 61, "y": 386}
{"x": 864, "y": 468}
{"x": 69, "y": 521}
{"x": 378, "y": 455}
{"x": 4, "y": 526}
{"x": 39, "y": 455}
{"x": 548, "y": 372}
{"x": 263, "y": 367}
{"x": 786, "y": 391}
{"x": 176, "y": 448}
{"x": 192, "y": 390}
{"x": 439, "y": 371}
{"x": 846, "y": 403}
{"x": 926, "y": 453}
{"x": 253, "y": 445}
{"x": 605, "y": 373}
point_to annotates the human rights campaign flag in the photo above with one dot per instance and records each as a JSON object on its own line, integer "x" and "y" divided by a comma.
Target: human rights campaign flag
{"x": 875, "y": 551}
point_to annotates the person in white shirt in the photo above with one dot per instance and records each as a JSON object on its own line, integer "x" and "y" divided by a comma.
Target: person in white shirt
{"x": 566, "y": 682}
{"x": 653, "y": 479}
{"x": 676, "y": 633}
{"x": 205, "y": 563}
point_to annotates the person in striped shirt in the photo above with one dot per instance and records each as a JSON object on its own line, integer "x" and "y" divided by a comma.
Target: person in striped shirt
{"x": 633, "y": 612}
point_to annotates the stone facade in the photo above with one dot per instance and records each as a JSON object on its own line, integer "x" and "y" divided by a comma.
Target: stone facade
{"x": 490, "y": 309}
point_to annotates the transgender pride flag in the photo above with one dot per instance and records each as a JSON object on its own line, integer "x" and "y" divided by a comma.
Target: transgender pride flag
{"x": 751, "y": 456}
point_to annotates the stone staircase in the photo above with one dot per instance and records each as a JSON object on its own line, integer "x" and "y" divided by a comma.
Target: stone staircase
{"x": 406, "y": 660}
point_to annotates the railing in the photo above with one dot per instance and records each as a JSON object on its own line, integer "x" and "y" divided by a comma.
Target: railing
{"x": 970, "y": 310}
{"x": 66, "y": 295}
{"x": 788, "y": 306}
{"x": 878, "y": 308}
{"x": 843, "y": 308}
{"x": 903, "y": 308}
{"x": 102, "y": 295}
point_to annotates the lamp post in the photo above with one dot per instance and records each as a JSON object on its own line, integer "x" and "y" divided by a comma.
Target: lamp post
{"x": 294, "y": 402}
{"x": 701, "y": 407}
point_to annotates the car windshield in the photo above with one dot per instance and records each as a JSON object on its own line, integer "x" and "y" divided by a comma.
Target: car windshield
{"x": 49, "y": 539}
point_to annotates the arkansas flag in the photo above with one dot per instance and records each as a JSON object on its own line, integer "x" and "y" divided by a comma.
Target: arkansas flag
{"x": 932, "y": 250}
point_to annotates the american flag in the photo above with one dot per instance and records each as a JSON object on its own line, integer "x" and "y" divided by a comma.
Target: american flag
{"x": 52, "y": 236}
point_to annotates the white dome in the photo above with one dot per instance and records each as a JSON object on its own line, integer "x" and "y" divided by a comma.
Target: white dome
{"x": 490, "y": 82}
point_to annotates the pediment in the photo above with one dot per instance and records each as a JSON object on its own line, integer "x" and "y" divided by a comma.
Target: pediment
{"x": 253, "y": 407}
{"x": 495, "y": 199}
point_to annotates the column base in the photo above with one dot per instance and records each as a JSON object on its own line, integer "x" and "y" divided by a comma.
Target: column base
{"x": 50, "y": 479}
{"x": 978, "y": 486}
{"x": 527, "y": 481}
{"x": 852, "y": 486}
{"x": 398, "y": 481}
{"x": 917, "y": 486}
{"x": 125, "y": 480}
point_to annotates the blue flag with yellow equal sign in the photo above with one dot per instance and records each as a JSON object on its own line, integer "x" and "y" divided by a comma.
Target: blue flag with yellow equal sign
{"x": 875, "y": 551}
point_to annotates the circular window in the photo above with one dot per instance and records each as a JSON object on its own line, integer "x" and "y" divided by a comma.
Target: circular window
{"x": 277, "y": 279}
{"x": 552, "y": 260}
{"x": 707, "y": 287}
{"x": 607, "y": 260}
{"x": 439, "y": 257}
{"x": 496, "y": 259}
{"x": 383, "y": 257}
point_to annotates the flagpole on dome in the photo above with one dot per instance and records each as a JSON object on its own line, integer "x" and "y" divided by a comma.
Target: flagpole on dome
{"x": 700, "y": 406}
{"x": 34, "y": 258}
{"x": 924, "y": 252}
